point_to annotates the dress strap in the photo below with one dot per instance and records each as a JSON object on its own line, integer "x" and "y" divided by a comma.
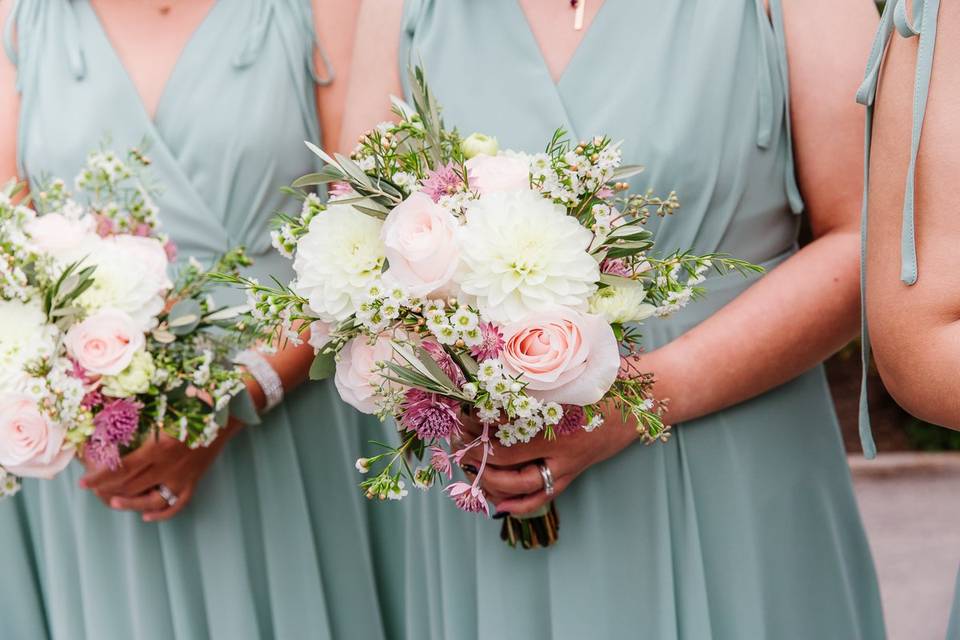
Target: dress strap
{"x": 25, "y": 16}
{"x": 262, "y": 15}
{"x": 922, "y": 24}
{"x": 767, "y": 110}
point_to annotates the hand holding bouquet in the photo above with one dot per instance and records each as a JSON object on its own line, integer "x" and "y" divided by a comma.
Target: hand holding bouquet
{"x": 99, "y": 348}
{"x": 446, "y": 277}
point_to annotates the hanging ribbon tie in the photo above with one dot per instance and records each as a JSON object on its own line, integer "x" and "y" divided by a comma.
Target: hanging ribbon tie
{"x": 921, "y": 24}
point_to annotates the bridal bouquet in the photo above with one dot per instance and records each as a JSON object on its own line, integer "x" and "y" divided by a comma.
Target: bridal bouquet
{"x": 446, "y": 278}
{"x": 99, "y": 348}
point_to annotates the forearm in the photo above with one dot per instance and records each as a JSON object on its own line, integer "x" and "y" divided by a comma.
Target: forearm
{"x": 790, "y": 320}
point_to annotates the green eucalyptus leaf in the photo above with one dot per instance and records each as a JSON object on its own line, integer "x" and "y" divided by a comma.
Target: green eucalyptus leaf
{"x": 324, "y": 365}
{"x": 184, "y": 317}
{"x": 627, "y": 171}
{"x": 242, "y": 408}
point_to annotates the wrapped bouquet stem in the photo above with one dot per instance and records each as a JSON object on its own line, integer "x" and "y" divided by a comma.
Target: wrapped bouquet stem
{"x": 448, "y": 278}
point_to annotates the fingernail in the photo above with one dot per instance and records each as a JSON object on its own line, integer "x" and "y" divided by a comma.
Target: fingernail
{"x": 114, "y": 503}
{"x": 82, "y": 483}
{"x": 500, "y": 515}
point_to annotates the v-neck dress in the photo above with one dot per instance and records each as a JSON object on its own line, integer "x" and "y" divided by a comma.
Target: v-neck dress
{"x": 277, "y": 541}
{"x": 744, "y": 525}
{"x": 917, "y": 20}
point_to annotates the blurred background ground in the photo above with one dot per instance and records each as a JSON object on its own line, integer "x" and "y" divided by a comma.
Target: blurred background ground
{"x": 908, "y": 501}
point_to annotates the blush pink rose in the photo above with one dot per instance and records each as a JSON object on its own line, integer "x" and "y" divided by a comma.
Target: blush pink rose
{"x": 31, "y": 446}
{"x": 420, "y": 244}
{"x": 104, "y": 343}
{"x": 563, "y": 355}
{"x": 498, "y": 174}
{"x": 356, "y": 377}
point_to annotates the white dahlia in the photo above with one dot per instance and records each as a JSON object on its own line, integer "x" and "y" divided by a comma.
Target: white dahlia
{"x": 523, "y": 253}
{"x": 337, "y": 260}
{"x": 622, "y": 303}
{"x": 25, "y": 336}
{"x": 131, "y": 276}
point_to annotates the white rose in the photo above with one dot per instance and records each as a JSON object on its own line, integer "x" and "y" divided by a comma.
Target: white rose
{"x": 419, "y": 237}
{"x": 522, "y": 253}
{"x": 337, "y": 260}
{"x": 25, "y": 336}
{"x": 622, "y": 303}
{"x": 131, "y": 276}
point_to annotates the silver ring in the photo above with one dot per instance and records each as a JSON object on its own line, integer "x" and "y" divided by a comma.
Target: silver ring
{"x": 547, "y": 478}
{"x": 168, "y": 496}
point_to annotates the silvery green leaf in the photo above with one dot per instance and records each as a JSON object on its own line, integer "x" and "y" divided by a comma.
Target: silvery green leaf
{"x": 353, "y": 170}
{"x": 222, "y": 416}
{"x": 618, "y": 281}
{"x": 627, "y": 171}
{"x": 163, "y": 336}
{"x": 184, "y": 317}
{"x": 371, "y": 211}
{"x": 326, "y": 175}
{"x": 68, "y": 284}
{"x": 467, "y": 362}
{"x": 324, "y": 365}
{"x": 434, "y": 368}
{"x": 320, "y": 152}
{"x": 402, "y": 106}
{"x": 228, "y": 313}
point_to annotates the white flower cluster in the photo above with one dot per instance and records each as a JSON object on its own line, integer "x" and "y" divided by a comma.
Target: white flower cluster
{"x": 16, "y": 248}
{"x": 284, "y": 237}
{"x": 578, "y": 172}
{"x": 506, "y": 396}
{"x": 382, "y": 303}
{"x": 452, "y": 323}
{"x": 9, "y": 485}
{"x": 103, "y": 168}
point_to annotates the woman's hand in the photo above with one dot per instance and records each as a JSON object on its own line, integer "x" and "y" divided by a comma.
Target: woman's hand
{"x": 512, "y": 479}
{"x": 164, "y": 460}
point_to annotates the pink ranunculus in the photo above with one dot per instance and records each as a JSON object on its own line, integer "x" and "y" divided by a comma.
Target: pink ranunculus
{"x": 104, "y": 343}
{"x": 357, "y": 377}
{"x": 31, "y": 446}
{"x": 421, "y": 246}
{"x": 497, "y": 174}
{"x": 57, "y": 235}
{"x": 563, "y": 355}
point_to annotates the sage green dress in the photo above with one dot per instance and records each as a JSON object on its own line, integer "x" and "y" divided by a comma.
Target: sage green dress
{"x": 916, "y": 20}
{"x": 277, "y": 542}
{"x": 743, "y": 526}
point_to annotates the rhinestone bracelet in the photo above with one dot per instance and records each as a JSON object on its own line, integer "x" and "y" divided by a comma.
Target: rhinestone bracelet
{"x": 265, "y": 375}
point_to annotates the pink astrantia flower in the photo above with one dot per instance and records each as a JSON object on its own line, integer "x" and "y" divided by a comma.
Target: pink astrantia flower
{"x": 102, "y": 454}
{"x": 92, "y": 399}
{"x": 572, "y": 420}
{"x": 117, "y": 421}
{"x": 468, "y": 498}
{"x": 429, "y": 415}
{"x": 340, "y": 190}
{"x": 440, "y": 461}
{"x": 446, "y": 363}
{"x": 492, "y": 344}
{"x": 615, "y": 267}
{"x": 605, "y": 194}
{"x": 105, "y": 226}
{"x": 171, "y": 250}
{"x": 444, "y": 181}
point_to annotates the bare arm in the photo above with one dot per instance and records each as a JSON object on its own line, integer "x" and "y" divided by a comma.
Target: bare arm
{"x": 336, "y": 27}
{"x": 9, "y": 107}
{"x": 807, "y": 308}
{"x": 376, "y": 68}
{"x": 915, "y": 329}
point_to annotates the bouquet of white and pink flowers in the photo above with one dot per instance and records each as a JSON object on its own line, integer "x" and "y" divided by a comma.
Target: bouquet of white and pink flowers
{"x": 446, "y": 277}
{"x": 99, "y": 347}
